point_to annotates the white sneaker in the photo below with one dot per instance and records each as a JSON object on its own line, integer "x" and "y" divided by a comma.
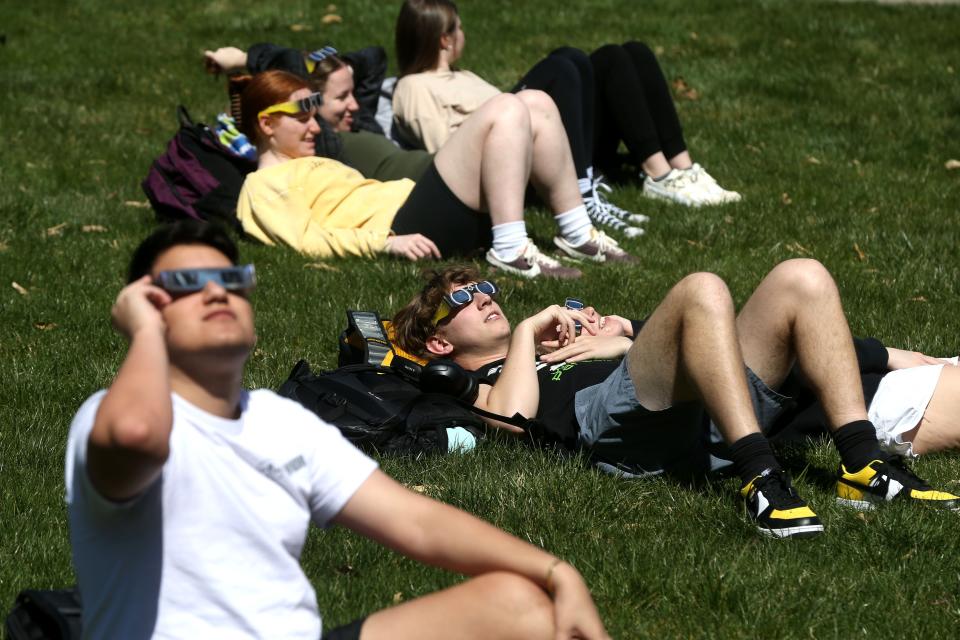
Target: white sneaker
{"x": 710, "y": 184}
{"x": 532, "y": 263}
{"x": 604, "y": 212}
{"x": 681, "y": 187}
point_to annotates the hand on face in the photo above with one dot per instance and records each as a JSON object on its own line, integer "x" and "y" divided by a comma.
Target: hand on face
{"x": 138, "y": 307}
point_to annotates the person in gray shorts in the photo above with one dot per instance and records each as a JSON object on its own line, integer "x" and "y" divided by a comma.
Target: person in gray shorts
{"x": 687, "y": 391}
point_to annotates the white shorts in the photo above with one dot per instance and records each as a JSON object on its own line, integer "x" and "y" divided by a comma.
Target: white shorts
{"x": 900, "y": 402}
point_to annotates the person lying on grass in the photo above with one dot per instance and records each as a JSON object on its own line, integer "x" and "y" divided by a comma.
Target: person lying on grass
{"x": 355, "y": 139}
{"x": 913, "y": 400}
{"x": 616, "y": 94}
{"x": 692, "y": 391}
{"x": 324, "y": 208}
{"x": 190, "y": 497}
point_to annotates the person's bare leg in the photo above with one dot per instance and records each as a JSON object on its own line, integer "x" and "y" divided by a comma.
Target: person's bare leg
{"x": 688, "y": 350}
{"x": 681, "y": 161}
{"x": 486, "y": 162}
{"x": 552, "y": 173}
{"x": 939, "y": 429}
{"x": 656, "y": 165}
{"x": 796, "y": 313}
{"x": 493, "y": 606}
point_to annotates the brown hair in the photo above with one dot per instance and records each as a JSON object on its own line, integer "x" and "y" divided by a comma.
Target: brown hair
{"x": 413, "y": 323}
{"x": 420, "y": 25}
{"x": 265, "y": 90}
{"x": 323, "y": 69}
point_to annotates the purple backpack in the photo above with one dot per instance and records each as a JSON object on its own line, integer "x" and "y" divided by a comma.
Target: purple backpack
{"x": 196, "y": 177}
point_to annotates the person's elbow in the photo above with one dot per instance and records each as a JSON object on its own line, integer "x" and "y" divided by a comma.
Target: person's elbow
{"x": 139, "y": 436}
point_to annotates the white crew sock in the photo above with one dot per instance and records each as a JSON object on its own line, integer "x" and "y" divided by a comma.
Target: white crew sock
{"x": 509, "y": 239}
{"x": 575, "y": 225}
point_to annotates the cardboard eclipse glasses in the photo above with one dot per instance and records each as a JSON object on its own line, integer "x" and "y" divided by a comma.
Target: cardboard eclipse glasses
{"x": 239, "y": 278}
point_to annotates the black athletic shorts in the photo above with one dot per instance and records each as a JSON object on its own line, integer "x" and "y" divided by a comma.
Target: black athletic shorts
{"x": 349, "y": 631}
{"x": 433, "y": 210}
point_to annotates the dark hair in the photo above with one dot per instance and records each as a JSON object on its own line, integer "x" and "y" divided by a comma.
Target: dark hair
{"x": 420, "y": 25}
{"x": 413, "y": 324}
{"x": 265, "y": 90}
{"x": 176, "y": 234}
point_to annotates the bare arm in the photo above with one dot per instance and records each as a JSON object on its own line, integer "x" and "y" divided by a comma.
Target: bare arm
{"x": 901, "y": 359}
{"x": 224, "y": 60}
{"x": 440, "y": 535}
{"x": 516, "y": 389}
{"x": 130, "y": 439}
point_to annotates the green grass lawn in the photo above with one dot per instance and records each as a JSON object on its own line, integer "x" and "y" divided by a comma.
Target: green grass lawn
{"x": 833, "y": 120}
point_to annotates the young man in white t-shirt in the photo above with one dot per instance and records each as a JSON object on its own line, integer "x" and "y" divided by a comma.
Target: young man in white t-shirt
{"x": 189, "y": 497}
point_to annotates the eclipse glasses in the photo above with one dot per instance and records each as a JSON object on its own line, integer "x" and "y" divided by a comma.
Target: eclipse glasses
{"x": 459, "y": 297}
{"x": 240, "y": 278}
{"x": 294, "y": 107}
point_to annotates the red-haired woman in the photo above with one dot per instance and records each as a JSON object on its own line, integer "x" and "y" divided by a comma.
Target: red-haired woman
{"x": 322, "y": 207}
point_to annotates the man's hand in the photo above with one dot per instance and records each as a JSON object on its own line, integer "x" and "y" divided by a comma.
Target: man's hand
{"x": 224, "y": 60}
{"x": 610, "y": 325}
{"x": 138, "y": 307}
{"x": 558, "y": 325}
{"x": 576, "y": 614}
{"x": 587, "y": 348}
{"x": 901, "y": 359}
{"x": 413, "y": 246}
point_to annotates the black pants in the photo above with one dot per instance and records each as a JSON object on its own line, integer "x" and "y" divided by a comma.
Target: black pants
{"x": 633, "y": 105}
{"x": 435, "y": 211}
{"x": 566, "y": 75}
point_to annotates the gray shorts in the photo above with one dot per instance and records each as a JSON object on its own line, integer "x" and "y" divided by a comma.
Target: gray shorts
{"x": 623, "y": 437}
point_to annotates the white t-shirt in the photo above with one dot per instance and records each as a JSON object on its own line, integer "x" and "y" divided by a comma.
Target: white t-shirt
{"x": 212, "y": 548}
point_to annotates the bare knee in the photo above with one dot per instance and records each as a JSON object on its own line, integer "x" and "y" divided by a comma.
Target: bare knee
{"x": 508, "y": 111}
{"x": 538, "y": 102}
{"x": 707, "y": 292}
{"x": 521, "y": 601}
{"x": 804, "y": 278}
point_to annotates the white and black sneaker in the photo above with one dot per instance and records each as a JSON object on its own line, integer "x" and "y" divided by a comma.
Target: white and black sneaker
{"x": 776, "y": 509}
{"x": 605, "y": 213}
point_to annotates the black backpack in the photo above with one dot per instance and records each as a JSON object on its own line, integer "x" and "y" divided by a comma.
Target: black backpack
{"x": 379, "y": 409}
{"x": 45, "y": 615}
{"x": 196, "y": 177}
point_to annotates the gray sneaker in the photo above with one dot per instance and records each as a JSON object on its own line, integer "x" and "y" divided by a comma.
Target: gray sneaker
{"x": 531, "y": 263}
{"x": 599, "y": 248}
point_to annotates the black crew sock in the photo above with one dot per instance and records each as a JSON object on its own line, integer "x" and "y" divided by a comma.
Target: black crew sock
{"x": 751, "y": 455}
{"x": 857, "y": 444}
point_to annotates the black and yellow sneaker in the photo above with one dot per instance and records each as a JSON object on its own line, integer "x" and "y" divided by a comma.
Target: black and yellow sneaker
{"x": 885, "y": 480}
{"x": 776, "y": 508}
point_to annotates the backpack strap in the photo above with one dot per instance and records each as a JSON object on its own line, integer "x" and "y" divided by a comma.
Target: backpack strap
{"x": 183, "y": 116}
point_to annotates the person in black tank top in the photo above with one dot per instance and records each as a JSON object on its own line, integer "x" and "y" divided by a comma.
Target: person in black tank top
{"x": 692, "y": 391}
